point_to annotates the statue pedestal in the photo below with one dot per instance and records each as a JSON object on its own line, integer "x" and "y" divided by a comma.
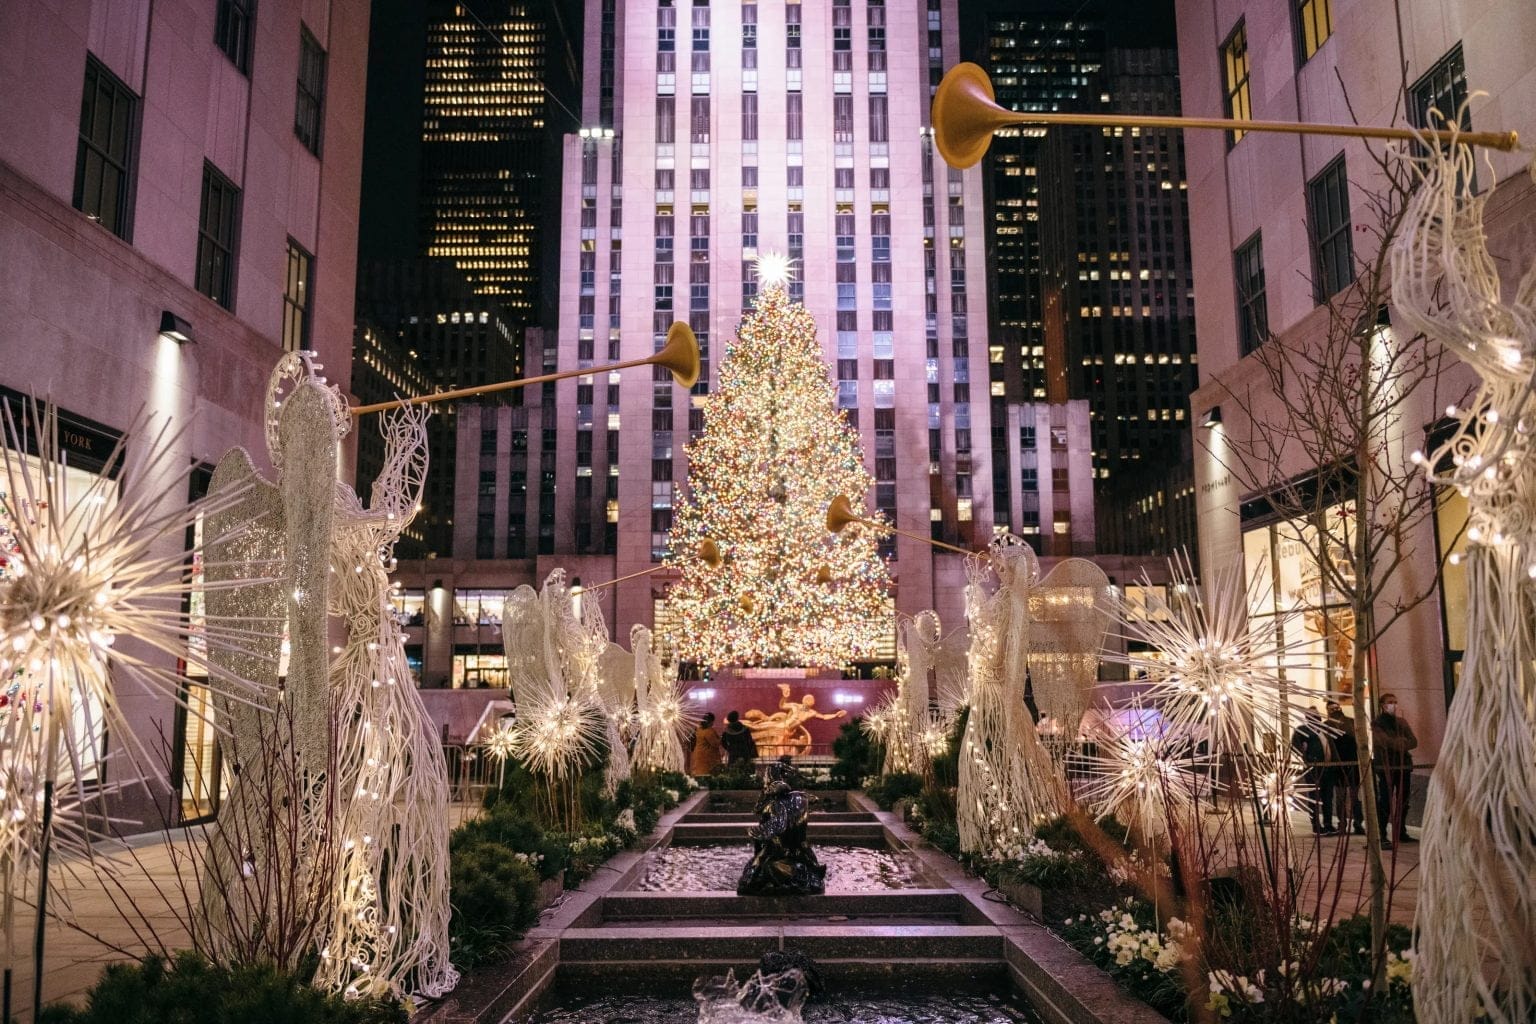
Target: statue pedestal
{"x": 758, "y": 690}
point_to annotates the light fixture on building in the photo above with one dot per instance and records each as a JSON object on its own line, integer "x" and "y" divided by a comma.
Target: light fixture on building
{"x": 175, "y": 328}
{"x": 1212, "y": 417}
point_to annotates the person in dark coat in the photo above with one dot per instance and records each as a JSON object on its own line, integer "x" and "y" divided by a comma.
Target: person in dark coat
{"x": 1310, "y": 740}
{"x": 1393, "y": 739}
{"x": 740, "y": 747}
{"x": 1346, "y": 786}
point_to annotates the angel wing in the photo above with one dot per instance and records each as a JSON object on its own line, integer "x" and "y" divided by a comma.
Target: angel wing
{"x": 1069, "y": 620}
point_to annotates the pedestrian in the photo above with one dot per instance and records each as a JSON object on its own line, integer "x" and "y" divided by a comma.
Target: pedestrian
{"x": 1394, "y": 741}
{"x": 707, "y": 754}
{"x": 1346, "y": 786}
{"x": 740, "y": 747}
{"x": 1310, "y": 740}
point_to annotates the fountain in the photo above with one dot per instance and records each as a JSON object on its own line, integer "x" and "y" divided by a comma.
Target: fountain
{"x": 783, "y": 863}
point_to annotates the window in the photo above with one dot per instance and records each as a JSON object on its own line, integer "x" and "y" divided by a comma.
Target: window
{"x": 1252, "y": 312}
{"x": 1443, "y": 89}
{"x": 700, "y": 118}
{"x": 296, "y": 284}
{"x": 1314, "y": 24}
{"x": 311, "y": 98}
{"x": 232, "y": 31}
{"x": 666, "y": 117}
{"x": 216, "y": 225}
{"x": 749, "y": 116}
{"x": 108, "y": 117}
{"x": 1234, "y": 55}
{"x": 1328, "y": 210}
{"x": 794, "y": 122}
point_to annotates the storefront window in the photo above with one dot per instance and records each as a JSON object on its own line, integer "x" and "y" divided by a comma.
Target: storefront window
{"x": 478, "y": 607}
{"x": 409, "y": 606}
{"x": 480, "y": 671}
{"x": 87, "y": 725}
{"x": 1288, "y": 588}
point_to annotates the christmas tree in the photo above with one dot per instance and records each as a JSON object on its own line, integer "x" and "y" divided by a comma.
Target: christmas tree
{"x": 774, "y": 452}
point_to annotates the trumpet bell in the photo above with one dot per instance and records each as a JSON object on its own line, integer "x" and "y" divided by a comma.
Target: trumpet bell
{"x": 824, "y": 574}
{"x": 965, "y": 114}
{"x": 709, "y": 553}
{"x": 680, "y": 355}
{"x": 840, "y": 514}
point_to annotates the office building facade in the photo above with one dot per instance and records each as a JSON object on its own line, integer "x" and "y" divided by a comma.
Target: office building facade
{"x": 1278, "y": 226}
{"x": 178, "y": 208}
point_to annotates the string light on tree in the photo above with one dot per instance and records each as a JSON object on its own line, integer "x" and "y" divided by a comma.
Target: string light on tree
{"x": 774, "y": 452}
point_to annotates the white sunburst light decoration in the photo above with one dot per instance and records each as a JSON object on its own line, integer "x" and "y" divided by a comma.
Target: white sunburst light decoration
{"x": 95, "y": 590}
{"x": 1214, "y": 672}
{"x": 1139, "y": 772}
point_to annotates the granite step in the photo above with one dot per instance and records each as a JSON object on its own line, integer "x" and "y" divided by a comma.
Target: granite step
{"x": 733, "y": 941}
{"x": 719, "y": 817}
{"x": 831, "y": 832}
{"x": 676, "y": 977}
{"x": 937, "y": 903}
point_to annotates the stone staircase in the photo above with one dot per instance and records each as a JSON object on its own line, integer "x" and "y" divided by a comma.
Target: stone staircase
{"x": 926, "y": 935}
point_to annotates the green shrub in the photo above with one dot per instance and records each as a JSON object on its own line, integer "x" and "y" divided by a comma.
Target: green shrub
{"x": 737, "y": 775}
{"x": 190, "y": 990}
{"x": 895, "y": 786}
{"x": 492, "y": 888}
{"x": 858, "y": 757}
{"x": 504, "y": 824}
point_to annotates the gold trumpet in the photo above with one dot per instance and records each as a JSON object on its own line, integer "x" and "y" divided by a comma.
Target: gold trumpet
{"x": 840, "y": 515}
{"x": 709, "y": 554}
{"x": 680, "y": 355}
{"x": 966, "y": 113}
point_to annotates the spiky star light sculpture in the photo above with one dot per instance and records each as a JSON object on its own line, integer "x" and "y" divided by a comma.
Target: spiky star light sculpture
{"x": 1214, "y": 671}
{"x": 93, "y": 592}
{"x": 1141, "y": 776}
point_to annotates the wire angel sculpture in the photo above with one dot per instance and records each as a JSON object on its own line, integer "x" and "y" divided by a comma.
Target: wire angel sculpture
{"x": 550, "y": 660}
{"x": 616, "y": 696}
{"x": 1008, "y": 783}
{"x": 388, "y": 928}
{"x": 1476, "y": 911}
{"x": 249, "y": 866}
{"x": 665, "y": 715}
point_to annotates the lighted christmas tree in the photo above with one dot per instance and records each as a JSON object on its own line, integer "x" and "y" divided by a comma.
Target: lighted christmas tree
{"x": 774, "y": 452}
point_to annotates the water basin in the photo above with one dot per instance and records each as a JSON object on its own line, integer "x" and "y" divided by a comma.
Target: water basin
{"x": 716, "y": 867}
{"x": 924, "y": 1008}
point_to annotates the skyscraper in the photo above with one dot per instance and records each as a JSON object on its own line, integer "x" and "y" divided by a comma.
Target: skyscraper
{"x": 1119, "y": 298}
{"x": 455, "y": 210}
{"x": 482, "y": 126}
{"x": 741, "y": 128}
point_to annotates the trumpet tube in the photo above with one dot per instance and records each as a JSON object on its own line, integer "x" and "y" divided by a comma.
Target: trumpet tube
{"x": 965, "y": 114}
{"x": 680, "y": 355}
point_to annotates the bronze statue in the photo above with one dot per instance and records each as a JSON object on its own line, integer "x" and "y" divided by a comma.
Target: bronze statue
{"x": 783, "y": 863}
{"x": 784, "y": 731}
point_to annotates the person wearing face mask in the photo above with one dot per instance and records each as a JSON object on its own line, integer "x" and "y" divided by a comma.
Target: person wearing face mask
{"x": 1394, "y": 741}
